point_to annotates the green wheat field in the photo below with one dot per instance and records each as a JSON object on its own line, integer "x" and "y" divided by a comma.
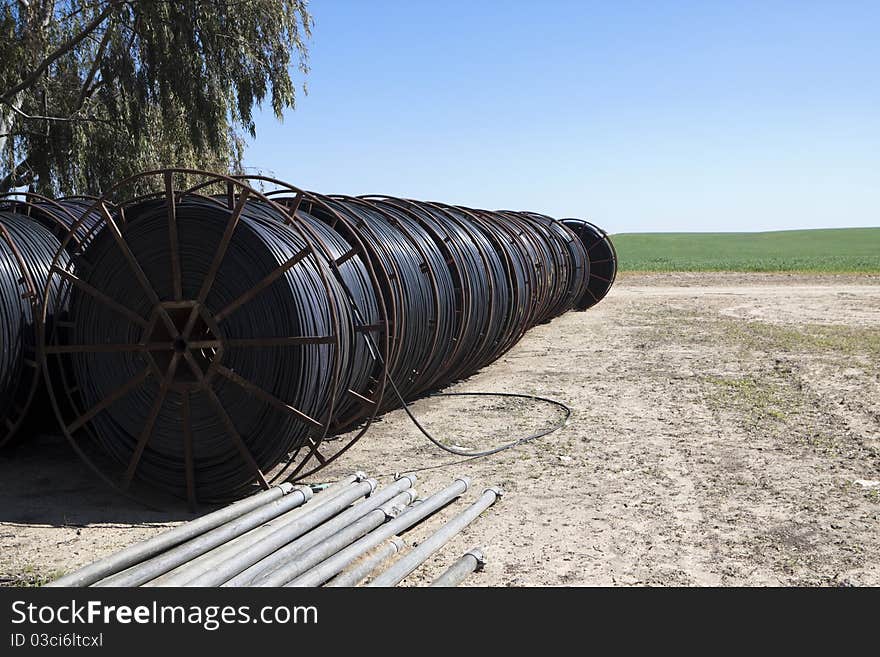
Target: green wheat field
{"x": 838, "y": 250}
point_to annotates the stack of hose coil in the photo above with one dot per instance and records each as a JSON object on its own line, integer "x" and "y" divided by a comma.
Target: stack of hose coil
{"x": 216, "y": 337}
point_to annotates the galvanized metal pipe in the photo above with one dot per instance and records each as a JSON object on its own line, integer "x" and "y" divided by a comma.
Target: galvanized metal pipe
{"x": 337, "y": 487}
{"x": 322, "y": 533}
{"x": 470, "y": 561}
{"x": 330, "y": 567}
{"x": 417, "y": 556}
{"x": 312, "y": 557}
{"x": 138, "y": 552}
{"x": 244, "y": 558}
{"x": 204, "y": 563}
{"x": 162, "y": 563}
{"x": 355, "y": 575}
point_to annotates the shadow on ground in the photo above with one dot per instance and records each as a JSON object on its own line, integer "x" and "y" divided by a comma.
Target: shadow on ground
{"x": 45, "y": 483}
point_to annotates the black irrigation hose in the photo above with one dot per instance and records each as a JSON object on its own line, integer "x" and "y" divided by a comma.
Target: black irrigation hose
{"x": 296, "y": 304}
{"x": 360, "y": 365}
{"x": 516, "y": 275}
{"x": 60, "y": 216}
{"x": 26, "y": 253}
{"x": 602, "y": 258}
{"x": 182, "y": 391}
{"x": 406, "y": 283}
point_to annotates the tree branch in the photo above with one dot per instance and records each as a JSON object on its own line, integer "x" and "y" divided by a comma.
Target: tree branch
{"x": 21, "y": 173}
{"x": 64, "y": 48}
{"x": 96, "y": 65}
{"x": 67, "y": 119}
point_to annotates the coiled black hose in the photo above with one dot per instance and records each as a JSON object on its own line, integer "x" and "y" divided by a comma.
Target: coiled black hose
{"x": 26, "y": 253}
{"x": 602, "y": 261}
{"x": 297, "y": 303}
{"x": 61, "y": 215}
{"x": 360, "y": 364}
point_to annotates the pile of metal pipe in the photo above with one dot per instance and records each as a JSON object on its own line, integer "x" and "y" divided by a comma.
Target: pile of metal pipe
{"x": 408, "y": 563}
{"x": 290, "y": 536}
{"x": 220, "y": 334}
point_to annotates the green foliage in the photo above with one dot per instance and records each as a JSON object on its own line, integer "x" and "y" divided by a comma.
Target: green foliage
{"x": 94, "y": 91}
{"x": 832, "y": 250}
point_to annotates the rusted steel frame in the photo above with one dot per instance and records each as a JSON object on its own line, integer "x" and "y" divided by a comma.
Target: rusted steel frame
{"x": 109, "y": 398}
{"x": 311, "y": 241}
{"x": 136, "y": 269}
{"x": 237, "y": 440}
{"x": 100, "y": 296}
{"x": 267, "y": 280}
{"x": 231, "y": 225}
{"x": 147, "y": 431}
{"x": 174, "y": 254}
{"x": 255, "y": 390}
{"x": 44, "y": 206}
{"x": 308, "y": 202}
{"x": 70, "y": 390}
{"x": 26, "y": 279}
{"x": 451, "y": 250}
{"x": 355, "y": 226}
{"x": 427, "y": 270}
{"x": 478, "y": 351}
{"x": 315, "y": 443}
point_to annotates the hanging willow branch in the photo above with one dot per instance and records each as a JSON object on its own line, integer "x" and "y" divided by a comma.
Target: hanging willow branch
{"x": 91, "y": 91}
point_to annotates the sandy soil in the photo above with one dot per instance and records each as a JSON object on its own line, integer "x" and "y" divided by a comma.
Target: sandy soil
{"x": 725, "y": 430}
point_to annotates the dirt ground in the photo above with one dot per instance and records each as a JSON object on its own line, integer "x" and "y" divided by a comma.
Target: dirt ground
{"x": 725, "y": 430}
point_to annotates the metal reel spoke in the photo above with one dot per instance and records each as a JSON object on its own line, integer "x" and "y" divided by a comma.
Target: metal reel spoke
{"x": 237, "y": 440}
{"x": 231, "y": 225}
{"x": 147, "y": 432}
{"x": 173, "y": 238}
{"x": 100, "y": 296}
{"x": 256, "y": 391}
{"x": 267, "y": 280}
{"x": 108, "y": 400}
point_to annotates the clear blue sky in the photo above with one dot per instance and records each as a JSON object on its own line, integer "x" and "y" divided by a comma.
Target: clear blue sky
{"x": 644, "y": 116}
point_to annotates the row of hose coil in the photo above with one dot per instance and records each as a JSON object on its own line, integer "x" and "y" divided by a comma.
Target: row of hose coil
{"x": 216, "y": 334}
